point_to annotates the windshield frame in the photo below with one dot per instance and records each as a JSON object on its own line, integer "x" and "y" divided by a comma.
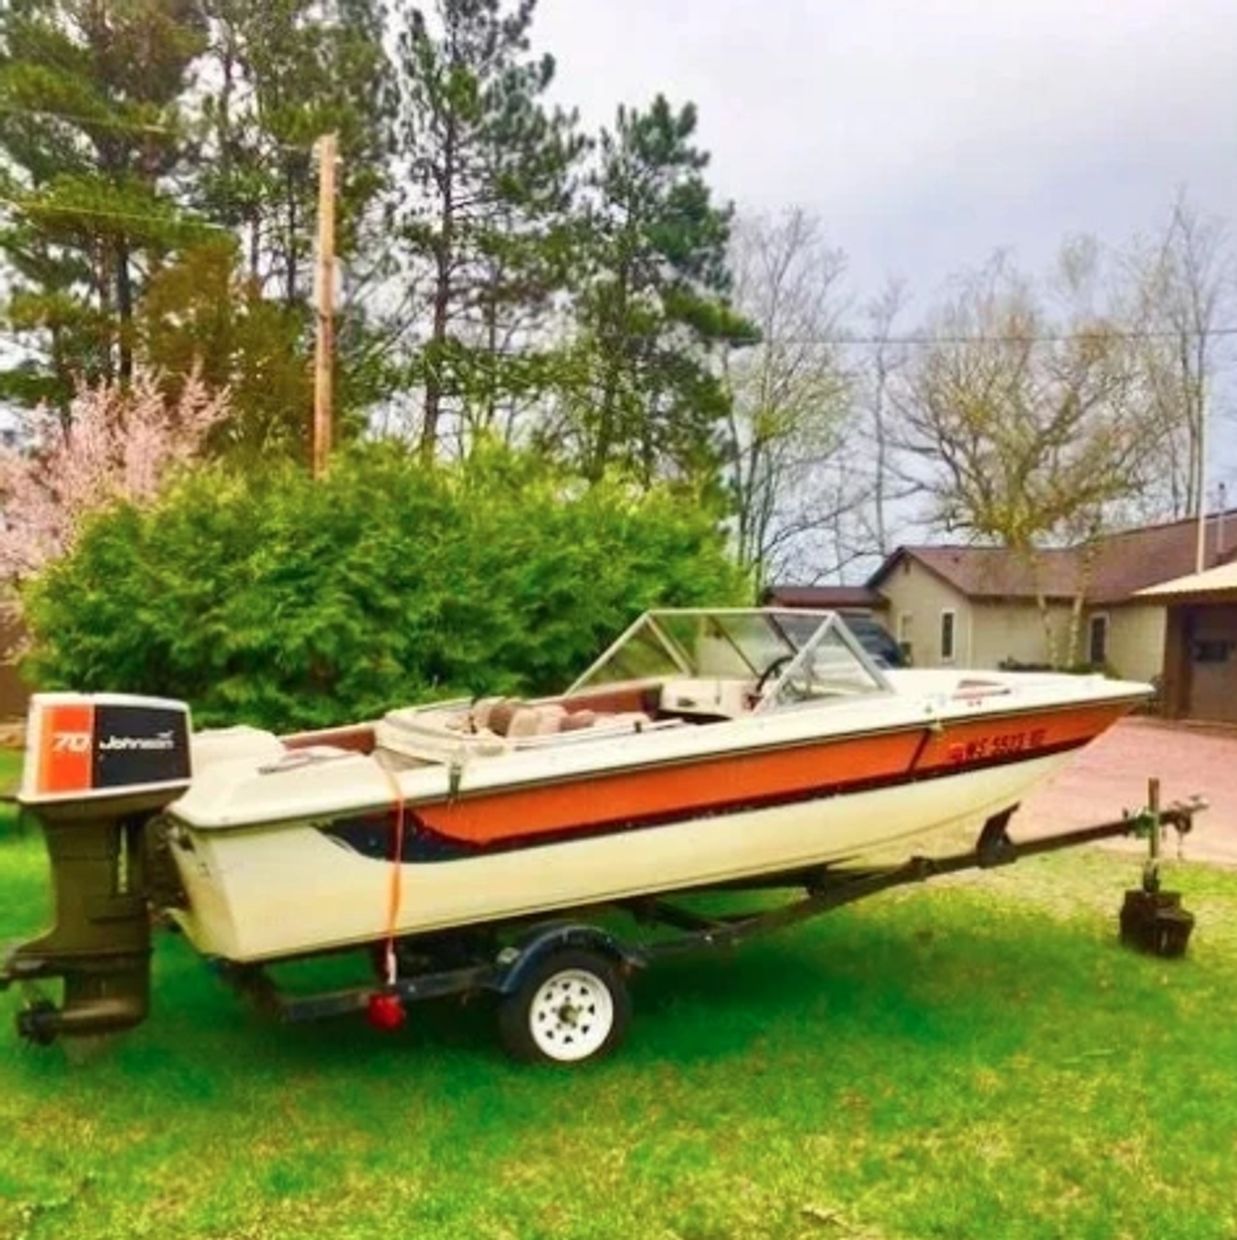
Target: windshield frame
{"x": 834, "y": 625}
{"x": 828, "y": 622}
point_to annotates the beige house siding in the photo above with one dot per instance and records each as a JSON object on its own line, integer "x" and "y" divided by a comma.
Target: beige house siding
{"x": 1015, "y": 630}
{"x": 987, "y": 634}
{"x": 916, "y": 600}
{"x": 1135, "y": 640}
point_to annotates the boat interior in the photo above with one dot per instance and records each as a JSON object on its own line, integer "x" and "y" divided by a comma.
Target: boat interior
{"x": 670, "y": 669}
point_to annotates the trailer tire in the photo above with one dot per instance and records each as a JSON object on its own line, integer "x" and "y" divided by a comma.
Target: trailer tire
{"x": 572, "y": 1007}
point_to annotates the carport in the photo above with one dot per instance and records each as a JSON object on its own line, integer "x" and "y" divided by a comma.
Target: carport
{"x": 1200, "y": 644}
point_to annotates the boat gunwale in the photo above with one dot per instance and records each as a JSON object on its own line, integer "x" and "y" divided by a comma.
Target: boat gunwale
{"x": 928, "y": 725}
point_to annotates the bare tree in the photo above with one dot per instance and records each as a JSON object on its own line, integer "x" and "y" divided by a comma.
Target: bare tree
{"x": 788, "y": 392}
{"x": 1181, "y": 285}
{"x": 1025, "y": 427}
{"x": 880, "y": 370}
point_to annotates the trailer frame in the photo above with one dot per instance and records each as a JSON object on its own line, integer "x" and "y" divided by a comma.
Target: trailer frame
{"x": 826, "y": 888}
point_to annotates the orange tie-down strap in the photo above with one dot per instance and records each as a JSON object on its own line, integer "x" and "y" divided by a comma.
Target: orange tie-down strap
{"x": 394, "y": 892}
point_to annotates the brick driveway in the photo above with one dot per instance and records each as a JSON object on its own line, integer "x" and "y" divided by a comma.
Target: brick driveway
{"x": 1111, "y": 775}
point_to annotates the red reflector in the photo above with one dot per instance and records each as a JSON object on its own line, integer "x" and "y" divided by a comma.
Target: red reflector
{"x": 386, "y": 1012}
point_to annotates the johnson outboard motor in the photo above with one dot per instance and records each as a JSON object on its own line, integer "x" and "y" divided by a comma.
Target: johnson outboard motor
{"x": 98, "y": 767}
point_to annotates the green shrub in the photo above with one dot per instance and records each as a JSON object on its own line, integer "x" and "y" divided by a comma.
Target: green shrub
{"x": 277, "y": 601}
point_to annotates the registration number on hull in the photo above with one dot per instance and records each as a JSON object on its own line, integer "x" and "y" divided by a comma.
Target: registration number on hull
{"x": 1002, "y": 745}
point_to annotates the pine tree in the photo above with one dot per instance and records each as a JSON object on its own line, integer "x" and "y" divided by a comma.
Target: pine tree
{"x": 284, "y": 72}
{"x": 641, "y": 393}
{"x": 92, "y": 139}
{"x": 492, "y": 172}
{"x": 204, "y": 316}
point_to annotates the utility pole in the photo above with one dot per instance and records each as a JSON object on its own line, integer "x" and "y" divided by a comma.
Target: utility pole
{"x": 324, "y": 299}
{"x": 1200, "y": 546}
{"x": 1222, "y": 505}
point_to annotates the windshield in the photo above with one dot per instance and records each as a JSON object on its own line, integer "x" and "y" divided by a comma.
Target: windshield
{"x": 794, "y": 655}
{"x": 831, "y": 665}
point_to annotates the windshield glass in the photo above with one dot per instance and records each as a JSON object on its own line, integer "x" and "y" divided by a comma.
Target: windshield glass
{"x": 786, "y": 657}
{"x": 831, "y": 665}
{"x": 725, "y": 645}
{"x": 728, "y": 645}
{"x": 642, "y": 653}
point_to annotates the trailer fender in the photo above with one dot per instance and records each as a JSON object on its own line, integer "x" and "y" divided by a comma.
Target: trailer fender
{"x": 515, "y": 962}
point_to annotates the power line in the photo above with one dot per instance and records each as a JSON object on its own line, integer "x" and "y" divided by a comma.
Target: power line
{"x": 167, "y": 220}
{"x": 841, "y": 341}
{"x": 1046, "y": 338}
{"x": 104, "y": 122}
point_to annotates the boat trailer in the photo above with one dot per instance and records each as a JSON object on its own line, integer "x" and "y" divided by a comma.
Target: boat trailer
{"x": 1151, "y": 920}
{"x": 563, "y": 978}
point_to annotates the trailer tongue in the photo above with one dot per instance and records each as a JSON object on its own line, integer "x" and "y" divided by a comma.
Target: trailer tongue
{"x": 100, "y": 769}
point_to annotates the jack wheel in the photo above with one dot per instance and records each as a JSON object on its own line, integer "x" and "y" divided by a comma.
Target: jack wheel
{"x": 572, "y": 1007}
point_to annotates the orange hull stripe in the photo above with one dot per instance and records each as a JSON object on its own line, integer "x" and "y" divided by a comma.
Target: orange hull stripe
{"x": 710, "y": 783}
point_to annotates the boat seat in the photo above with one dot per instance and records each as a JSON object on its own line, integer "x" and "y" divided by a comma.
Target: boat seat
{"x": 510, "y": 719}
{"x": 513, "y": 718}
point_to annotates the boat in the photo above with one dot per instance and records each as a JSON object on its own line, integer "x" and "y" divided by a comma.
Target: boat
{"x": 704, "y": 747}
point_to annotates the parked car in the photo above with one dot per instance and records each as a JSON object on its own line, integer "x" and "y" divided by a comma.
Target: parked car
{"x": 875, "y": 639}
{"x": 869, "y": 632}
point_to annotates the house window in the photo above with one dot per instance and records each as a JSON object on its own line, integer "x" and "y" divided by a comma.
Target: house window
{"x": 1097, "y": 641}
{"x": 905, "y": 619}
{"x": 1212, "y": 651}
{"x": 948, "y": 623}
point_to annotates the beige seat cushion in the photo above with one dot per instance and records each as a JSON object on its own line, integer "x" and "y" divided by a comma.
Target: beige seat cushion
{"x": 536, "y": 721}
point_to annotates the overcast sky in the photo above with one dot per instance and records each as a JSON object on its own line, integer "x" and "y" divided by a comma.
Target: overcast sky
{"x": 926, "y": 133}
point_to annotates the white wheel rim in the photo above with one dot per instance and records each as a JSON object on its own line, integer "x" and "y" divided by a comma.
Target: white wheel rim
{"x": 571, "y": 1015}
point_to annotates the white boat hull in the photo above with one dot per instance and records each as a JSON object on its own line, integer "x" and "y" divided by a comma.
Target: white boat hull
{"x": 265, "y": 892}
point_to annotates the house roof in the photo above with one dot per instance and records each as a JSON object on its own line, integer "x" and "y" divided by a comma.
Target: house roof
{"x": 1218, "y": 581}
{"x": 824, "y": 597}
{"x": 987, "y": 572}
{"x": 1119, "y": 566}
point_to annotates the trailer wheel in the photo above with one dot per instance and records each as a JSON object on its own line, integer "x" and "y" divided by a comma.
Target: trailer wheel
{"x": 573, "y": 1006}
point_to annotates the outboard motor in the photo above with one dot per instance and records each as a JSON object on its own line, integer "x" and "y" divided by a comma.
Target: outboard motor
{"x": 98, "y": 767}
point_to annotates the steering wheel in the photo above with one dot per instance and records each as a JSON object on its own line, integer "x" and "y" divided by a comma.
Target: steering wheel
{"x": 772, "y": 670}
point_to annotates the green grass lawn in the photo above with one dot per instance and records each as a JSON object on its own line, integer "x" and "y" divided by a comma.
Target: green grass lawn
{"x": 974, "y": 1059}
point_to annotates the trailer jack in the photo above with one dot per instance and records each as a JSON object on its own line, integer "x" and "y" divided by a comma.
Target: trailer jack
{"x": 1152, "y": 920}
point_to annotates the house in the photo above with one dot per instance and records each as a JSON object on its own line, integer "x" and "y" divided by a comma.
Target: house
{"x": 828, "y": 598}
{"x": 979, "y": 606}
{"x": 1200, "y": 644}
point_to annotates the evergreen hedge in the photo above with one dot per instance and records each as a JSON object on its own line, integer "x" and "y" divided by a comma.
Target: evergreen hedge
{"x": 285, "y": 603}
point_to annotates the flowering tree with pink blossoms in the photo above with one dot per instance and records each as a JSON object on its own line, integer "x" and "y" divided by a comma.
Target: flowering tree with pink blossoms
{"x": 120, "y": 443}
